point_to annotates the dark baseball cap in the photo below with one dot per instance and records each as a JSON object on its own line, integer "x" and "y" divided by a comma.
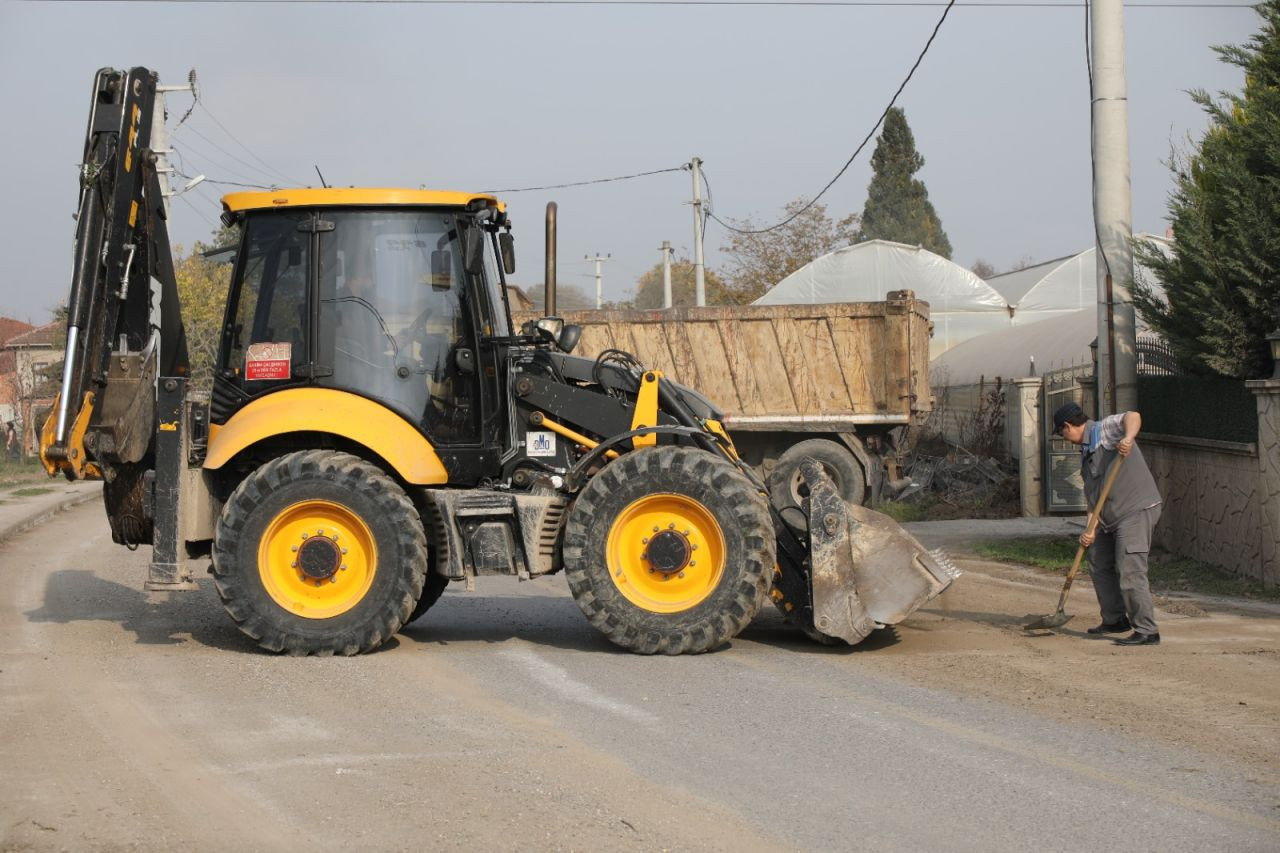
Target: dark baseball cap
{"x": 1066, "y": 412}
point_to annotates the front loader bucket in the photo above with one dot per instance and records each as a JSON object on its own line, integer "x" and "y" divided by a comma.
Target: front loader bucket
{"x": 865, "y": 570}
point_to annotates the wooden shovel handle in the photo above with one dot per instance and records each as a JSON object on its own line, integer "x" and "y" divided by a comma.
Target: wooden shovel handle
{"x": 1089, "y": 527}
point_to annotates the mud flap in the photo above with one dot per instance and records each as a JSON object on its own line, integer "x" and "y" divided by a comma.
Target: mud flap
{"x": 866, "y": 571}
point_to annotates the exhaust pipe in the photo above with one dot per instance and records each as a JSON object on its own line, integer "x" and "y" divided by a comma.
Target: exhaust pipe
{"x": 549, "y": 299}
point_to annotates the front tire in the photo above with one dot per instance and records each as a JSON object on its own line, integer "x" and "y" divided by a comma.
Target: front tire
{"x": 321, "y": 553}
{"x": 669, "y": 549}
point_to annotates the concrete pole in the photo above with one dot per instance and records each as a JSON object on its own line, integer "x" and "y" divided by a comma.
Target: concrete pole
{"x": 1117, "y": 338}
{"x": 699, "y": 276}
{"x": 599, "y": 259}
{"x": 160, "y": 142}
{"x": 666, "y": 274}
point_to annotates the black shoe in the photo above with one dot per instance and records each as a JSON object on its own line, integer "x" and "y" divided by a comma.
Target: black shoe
{"x": 1137, "y": 638}
{"x": 1112, "y": 627}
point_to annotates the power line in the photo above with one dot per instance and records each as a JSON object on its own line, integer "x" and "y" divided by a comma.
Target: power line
{"x": 979, "y": 4}
{"x": 269, "y": 167}
{"x": 587, "y": 183}
{"x": 213, "y": 160}
{"x": 857, "y": 150}
{"x": 239, "y": 160}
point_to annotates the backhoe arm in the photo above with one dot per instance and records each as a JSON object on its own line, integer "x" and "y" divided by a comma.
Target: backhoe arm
{"x": 124, "y": 325}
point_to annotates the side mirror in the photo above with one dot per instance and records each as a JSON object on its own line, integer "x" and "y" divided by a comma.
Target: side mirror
{"x": 507, "y": 247}
{"x": 569, "y": 337}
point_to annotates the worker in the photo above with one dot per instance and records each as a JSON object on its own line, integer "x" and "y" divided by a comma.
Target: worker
{"x": 1121, "y": 541}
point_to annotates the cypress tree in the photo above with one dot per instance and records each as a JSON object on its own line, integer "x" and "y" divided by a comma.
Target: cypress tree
{"x": 898, "y": 206}
{"x": 1222, "y": 278}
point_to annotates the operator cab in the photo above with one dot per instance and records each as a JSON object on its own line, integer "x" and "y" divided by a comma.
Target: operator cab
{"x": 383, "y": 293}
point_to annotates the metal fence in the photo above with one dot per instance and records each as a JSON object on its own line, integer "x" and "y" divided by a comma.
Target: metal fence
{"x": 1063, "y": 485}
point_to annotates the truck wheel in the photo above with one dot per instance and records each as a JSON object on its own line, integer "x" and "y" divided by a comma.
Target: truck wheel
{"x": 787, "y": 490}
{"x": 431, "y": 592}
{"x": 669, "y": 549}
{"x": 319, "y": 553}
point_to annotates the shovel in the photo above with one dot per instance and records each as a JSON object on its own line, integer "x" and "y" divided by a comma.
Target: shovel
{"x": 1059, "y": 617}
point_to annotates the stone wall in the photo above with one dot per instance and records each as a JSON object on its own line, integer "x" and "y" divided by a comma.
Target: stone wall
{"x": 1212, "y": 498}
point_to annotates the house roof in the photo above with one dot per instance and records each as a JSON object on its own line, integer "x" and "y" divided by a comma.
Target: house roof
{"x": 11, "y": 328}
{"x": 42, "y": 336}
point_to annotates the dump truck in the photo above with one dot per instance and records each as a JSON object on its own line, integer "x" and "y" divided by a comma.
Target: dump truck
{"x": 842, "y": 383}
{"x": 377, "y": 428}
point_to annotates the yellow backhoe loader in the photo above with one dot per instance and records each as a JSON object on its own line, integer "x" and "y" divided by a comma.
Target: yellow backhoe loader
{"x": 376, "y": 429}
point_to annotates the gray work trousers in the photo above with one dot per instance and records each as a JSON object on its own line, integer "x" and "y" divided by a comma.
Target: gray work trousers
{"x": 1118, "y": 564}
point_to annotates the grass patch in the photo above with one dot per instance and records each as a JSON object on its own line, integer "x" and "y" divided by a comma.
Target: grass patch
{"x": 1166, "y": 573}
{"x": 902, "y": 512}
{"x": 21, "y": 473}
{"x": 30, "y": 491}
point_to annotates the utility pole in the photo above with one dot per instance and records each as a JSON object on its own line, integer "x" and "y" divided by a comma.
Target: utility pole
{"x": 599, "y": 259}
{"x": 666, "y": 274}
{"x": 1112, "y": 212}
{"x": 699, "y": 276}
{"x": 160, "y": 138}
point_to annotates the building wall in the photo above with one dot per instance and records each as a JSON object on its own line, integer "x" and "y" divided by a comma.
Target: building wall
{"x": 1212, "y": 494}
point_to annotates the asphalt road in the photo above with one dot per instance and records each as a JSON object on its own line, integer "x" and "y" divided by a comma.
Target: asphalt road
{"x": 503, "y": 721}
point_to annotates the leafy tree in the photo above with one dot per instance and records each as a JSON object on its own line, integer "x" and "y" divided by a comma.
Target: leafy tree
{"x": 683, "y": 287}
{"x": 569, "y": 297}
{"x": 898, "y": 206}
{"x": 758, "y": 261}
{"x": 202, "y": 291}
{"x": 982, "y": 268}
{"x": 1222, "y": 278}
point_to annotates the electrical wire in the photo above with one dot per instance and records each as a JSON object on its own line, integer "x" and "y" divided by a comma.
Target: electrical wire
{"x": 978, "y": 4}
{"x": 231, "y": 169}
{"x": 871, "y": 133}
{"x": 269, "y": 167}
{"x": 587, "y": 183}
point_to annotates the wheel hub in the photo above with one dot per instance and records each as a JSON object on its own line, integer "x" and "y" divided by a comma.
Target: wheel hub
{"x": 669, "y": 551}
{"x": 319, "y": 558}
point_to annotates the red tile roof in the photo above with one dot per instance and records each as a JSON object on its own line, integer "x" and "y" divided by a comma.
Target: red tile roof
{"x": 11, "y": 328}
{"x": 43, "y": 336}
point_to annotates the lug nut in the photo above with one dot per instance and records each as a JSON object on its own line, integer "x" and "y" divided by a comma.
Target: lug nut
{"x": 335, "y": 537}
{"x": 342, "y": 568}
{"x": 644, "y": 541}
{"x": 294, "y": 548}
{"x": 294, "y": 564}
{"x": 693, "y": 563}
{"x": 686, "y": 533}
{"x": 344, "y": 550}
{"x": 305, "y": 534}
{"x": 655, "y": 528}
{"x": 681, "y": 574}
{"x": 693, "y": 546}
{"x": 671, "y": 526}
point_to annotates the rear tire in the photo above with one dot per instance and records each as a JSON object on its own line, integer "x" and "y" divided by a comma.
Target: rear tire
{"x": 319, "y": 553}
{"x": 787, "y": 491}
{"x": 712, "y": 544}
{"x": 431, "y": 592}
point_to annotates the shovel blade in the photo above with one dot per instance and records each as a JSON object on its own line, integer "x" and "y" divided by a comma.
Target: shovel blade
{"x": 865, "y": 569}
{"x": 1044, "y": 623}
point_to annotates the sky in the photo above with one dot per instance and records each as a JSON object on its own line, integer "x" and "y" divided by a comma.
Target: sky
{"x": 471, "y": 96}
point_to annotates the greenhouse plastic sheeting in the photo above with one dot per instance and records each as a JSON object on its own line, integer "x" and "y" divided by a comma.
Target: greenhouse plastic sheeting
{"x": 961, "y": 305}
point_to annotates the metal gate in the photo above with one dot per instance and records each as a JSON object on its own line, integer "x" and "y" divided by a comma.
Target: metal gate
{"x": 1064, "y": 487}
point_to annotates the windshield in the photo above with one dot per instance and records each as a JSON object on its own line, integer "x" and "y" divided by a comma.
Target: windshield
{"x": 394, "y": 311}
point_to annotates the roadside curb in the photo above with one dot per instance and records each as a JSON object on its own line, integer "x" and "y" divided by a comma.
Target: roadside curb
{"x": 42, "y": 514}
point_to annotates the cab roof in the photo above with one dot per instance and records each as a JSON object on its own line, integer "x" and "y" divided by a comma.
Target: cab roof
{"x": 354, "y": 197}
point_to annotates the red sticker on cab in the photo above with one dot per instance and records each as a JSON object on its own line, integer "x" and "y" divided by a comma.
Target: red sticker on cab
{"x": 268, "y": 360}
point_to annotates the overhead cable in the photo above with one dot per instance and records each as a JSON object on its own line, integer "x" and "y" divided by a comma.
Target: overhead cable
{"x": 595, "y": 181}
{"x": 871, "y": 133}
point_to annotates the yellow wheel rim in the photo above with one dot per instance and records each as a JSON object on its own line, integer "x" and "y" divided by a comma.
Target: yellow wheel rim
{"x": 317, "y": 559}
{"x": 665, "y": 553}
